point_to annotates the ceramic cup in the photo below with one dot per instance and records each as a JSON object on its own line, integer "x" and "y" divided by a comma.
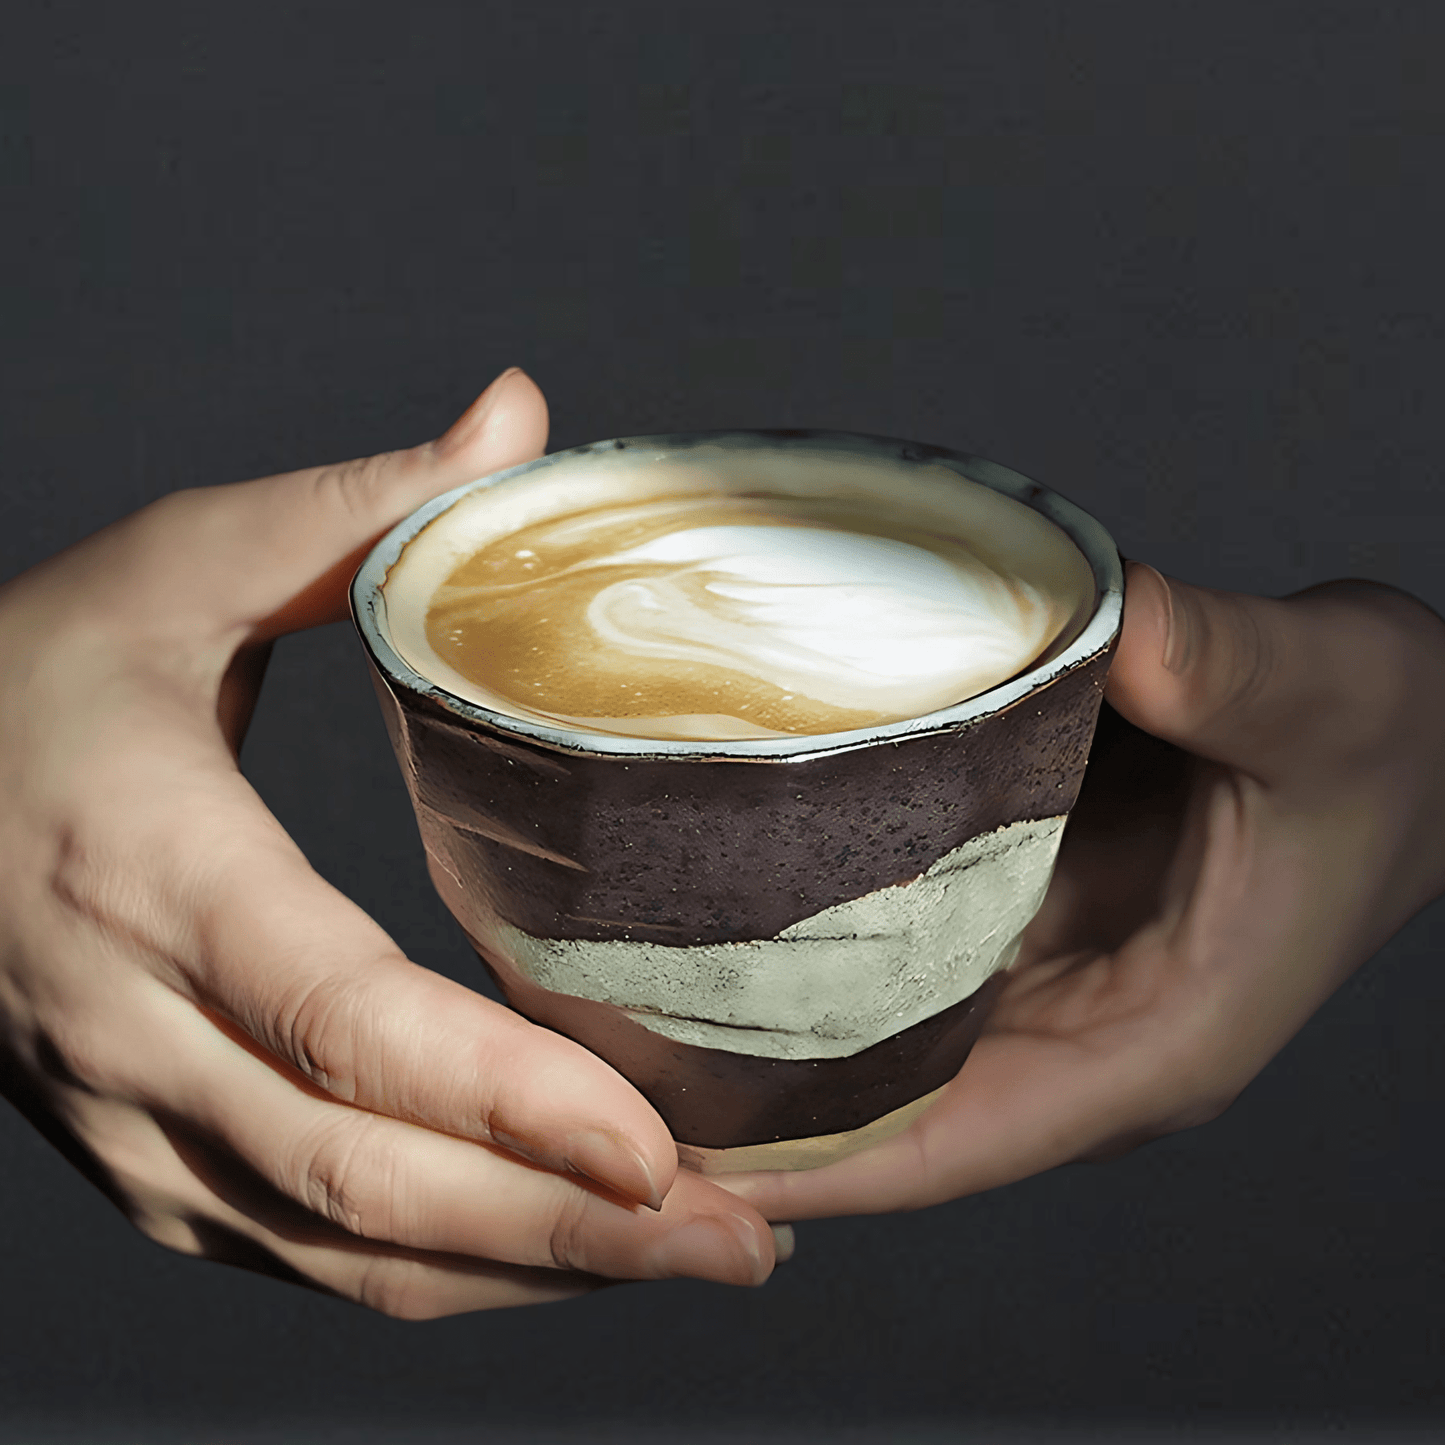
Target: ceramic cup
{"x": 788, "y": 945}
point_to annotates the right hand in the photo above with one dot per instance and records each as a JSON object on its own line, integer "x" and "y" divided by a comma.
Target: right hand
{"x": 234, "y": 1052}
{"x": 1261, "y": 813}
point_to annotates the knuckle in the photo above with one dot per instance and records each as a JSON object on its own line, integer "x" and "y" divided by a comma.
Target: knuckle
{"x": 316, "y": 1031}
{"x": 350, "y": 1177}
{"x": 401, "y": 1289}
{"x": 70, "y": 1054}
{"x": 72, "y": 1051}
{"x": 127, "y": 1153}
{"x": 1241, "y": 658}
{"x": 125, "y": 893}
{"x": 354, "y": 485}
{"x": 567, "y": 1239}
{"x": 82, "y": 874}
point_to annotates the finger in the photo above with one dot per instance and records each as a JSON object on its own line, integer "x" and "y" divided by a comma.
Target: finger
{"x": 414, "y": 1286}
{"x": 260, "y": 939}
{"x": 170, "y": 1191}
{"x": 1207, "y": 671}
{"x": 1021, "y": 1105}
{"x": 1284, "y": 690}
{"x": 250, "y": 561}
{"x": 381, "y": 1179}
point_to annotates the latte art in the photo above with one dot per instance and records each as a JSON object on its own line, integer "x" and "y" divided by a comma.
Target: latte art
{"x": 846, "y": 620}
{"x": 731, "y": 613}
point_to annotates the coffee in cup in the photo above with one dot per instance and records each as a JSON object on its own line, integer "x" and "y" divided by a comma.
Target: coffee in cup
{"x": 731, "y": 595}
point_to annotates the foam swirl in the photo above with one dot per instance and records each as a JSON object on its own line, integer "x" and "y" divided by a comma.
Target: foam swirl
{"x": 851, "y": 621}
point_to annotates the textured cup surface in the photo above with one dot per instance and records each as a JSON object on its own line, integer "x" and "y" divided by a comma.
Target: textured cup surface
{"x": 786, "y": 944}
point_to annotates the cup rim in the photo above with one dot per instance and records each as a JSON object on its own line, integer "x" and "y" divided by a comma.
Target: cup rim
{"x": 368, "y": 605}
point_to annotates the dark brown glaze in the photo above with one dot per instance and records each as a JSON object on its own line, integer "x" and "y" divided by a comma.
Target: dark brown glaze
{"x": 704, "y": 850}
{"x": 717, "y": 1099}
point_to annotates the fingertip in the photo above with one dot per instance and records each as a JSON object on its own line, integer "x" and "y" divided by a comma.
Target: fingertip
{"x": 557, "y": 1104}
{"x": 1144, "y": 633}
{"x": 473, "y": 419}
{"x": 724, "y": 1247}
{"x": 785, "y": 1243}
{"x": 518, "y": 418}
{"x": 612, "y": 1160}
{"x": 1150, "y": 683}
{"x": 1224, "y": 675}
{"x": 506, "y": 425}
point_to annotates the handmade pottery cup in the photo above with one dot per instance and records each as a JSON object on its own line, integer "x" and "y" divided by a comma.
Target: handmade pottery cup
{"x": 788, "y": 945}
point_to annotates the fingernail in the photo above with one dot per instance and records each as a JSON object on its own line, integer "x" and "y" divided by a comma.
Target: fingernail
{"x": 613, "y": 1163}
{"x": 713, "y": 1247}
{"x": 784, "y": 1242}
{"x": 1176, "y": 625}
{"x": 474, "y": 418}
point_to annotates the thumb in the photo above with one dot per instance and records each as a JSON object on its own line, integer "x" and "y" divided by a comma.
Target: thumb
{"x": 331, "y": 517}
{"x": 253, "y": 560}
{"x": 1226, "y": 676}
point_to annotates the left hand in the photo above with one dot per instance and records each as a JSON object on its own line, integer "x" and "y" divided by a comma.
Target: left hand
{"x": 1264, "y": 812}
{"x": 227, "y": 1046}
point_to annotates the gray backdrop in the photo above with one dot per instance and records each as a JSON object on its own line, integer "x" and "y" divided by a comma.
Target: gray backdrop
{"x": 1180, "y": 262}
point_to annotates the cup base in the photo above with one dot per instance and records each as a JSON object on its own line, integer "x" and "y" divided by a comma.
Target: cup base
{"x": 811, "y": 1153}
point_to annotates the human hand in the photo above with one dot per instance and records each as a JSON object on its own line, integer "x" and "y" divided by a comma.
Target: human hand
{"x": 1212, "y": 888}
{"x": 232, "y": 1050}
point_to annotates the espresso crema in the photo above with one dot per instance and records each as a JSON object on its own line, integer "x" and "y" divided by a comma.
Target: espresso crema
{"x": 723, "y": 594}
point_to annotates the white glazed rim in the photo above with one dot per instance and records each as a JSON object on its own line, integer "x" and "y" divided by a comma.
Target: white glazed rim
{"x": 368, "y": 605}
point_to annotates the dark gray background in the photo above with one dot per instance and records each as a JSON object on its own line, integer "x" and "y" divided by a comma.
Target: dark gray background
{"x": 1179, "y": 261}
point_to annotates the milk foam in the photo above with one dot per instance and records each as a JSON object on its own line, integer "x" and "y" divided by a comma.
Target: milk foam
{"x": 850, "y": 620}
{"x": 732, "y": 592}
